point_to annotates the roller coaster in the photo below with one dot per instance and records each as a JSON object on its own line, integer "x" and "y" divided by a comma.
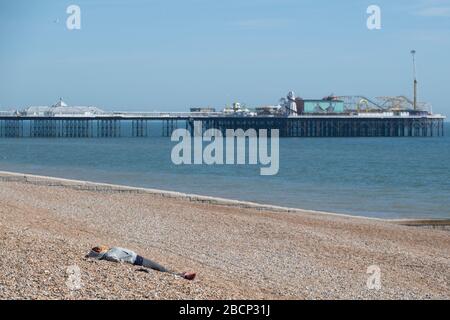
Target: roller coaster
{"x": 361, "y": 103}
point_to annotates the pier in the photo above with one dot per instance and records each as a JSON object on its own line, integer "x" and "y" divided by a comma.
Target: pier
{"x": 137, "y": 125}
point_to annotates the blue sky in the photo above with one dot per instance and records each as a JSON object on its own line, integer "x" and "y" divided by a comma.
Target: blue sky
{"x": 172, "y": 55}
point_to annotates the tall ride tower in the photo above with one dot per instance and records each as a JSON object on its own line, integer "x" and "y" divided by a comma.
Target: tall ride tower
{"x": 413, "y": 53}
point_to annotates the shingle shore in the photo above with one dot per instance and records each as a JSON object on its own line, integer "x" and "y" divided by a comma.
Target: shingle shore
{"x": 238, "y": 249}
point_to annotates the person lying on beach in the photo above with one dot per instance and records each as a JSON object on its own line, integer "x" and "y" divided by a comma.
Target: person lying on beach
{"x": 117, "y": 254}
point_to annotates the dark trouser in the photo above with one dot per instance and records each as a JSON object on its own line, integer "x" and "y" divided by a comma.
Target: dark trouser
{"x": 141, "y": 261}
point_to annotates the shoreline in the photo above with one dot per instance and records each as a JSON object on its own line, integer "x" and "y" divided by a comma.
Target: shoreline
{"x": 98, "y": 186}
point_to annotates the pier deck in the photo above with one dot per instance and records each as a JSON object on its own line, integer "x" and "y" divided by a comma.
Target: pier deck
{"x": 136, "y": 125}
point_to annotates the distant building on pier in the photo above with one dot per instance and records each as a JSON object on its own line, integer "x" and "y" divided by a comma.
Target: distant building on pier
{"x": 203, "y": 109}
{"x": 61, "y": 109}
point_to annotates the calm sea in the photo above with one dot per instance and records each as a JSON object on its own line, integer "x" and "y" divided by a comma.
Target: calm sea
{"x": 377, "y": 177}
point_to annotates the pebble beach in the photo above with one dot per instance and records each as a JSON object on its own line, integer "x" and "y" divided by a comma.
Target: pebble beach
{"x": 238, "y": 250}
